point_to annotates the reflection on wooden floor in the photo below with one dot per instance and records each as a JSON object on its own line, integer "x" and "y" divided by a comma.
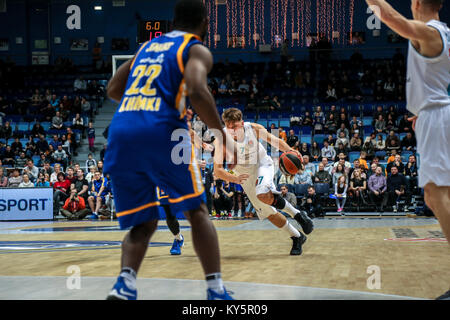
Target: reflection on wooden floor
{"x": 332, "y": 258}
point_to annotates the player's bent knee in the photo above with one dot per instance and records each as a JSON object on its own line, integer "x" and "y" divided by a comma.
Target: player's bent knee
{"x": 267, "y": 198}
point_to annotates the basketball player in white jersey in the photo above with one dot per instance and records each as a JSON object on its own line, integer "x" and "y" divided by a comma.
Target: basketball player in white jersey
{"x": 427, "y": 84}
{"x": 254, "y": 170}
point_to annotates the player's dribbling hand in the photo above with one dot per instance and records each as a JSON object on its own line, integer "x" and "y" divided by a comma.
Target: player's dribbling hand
{"x": 241, "y": 178}
{"x": 413, "y": 120}
{"x": 298, "y": 153}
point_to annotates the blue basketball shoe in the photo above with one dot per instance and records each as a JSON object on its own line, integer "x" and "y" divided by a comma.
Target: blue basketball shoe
{"x": 120, "y": 291}
{"x": 176, "y": 247}
{"x": 212, "y": 295}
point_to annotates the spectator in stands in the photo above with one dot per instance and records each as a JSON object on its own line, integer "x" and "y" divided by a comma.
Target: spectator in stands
{"x": 60, "y": 156}
{"x": 47, "y": 168}
{"x": 342, "y": 138}
{"x": 343, "y": 128}
{"x": 100, "y": 166}
{"x": 309, "y": 167}
{"x": 392, "y": 136}
{"x": 322, "y": 176}
{"x": 340, "y": 192}
{"x": 78, "y": 124}
{"x": 356, "y": 121}
{"x": 76, "y": 105}
{"x": 90, "y": 162}
{"x": 288, "y": 196}
{"x": 287, "y": 179}
{"x": 79, "y": 85}
{"x": 16, "y": 146}
{"x": 86, "y": 110}
{"x": 54, "y": 101}
{"x": 8, "y": 156}
{"x": 75, "y": 207}
{"x": 328, "y": 151}
{"x": 331, "y": 94}
{"x": 379, "y": 112}
{"x": 372, "y": 139}
{"x": 26, "y": 182}
{"x": 42, "y": 160}
{"x": 47, "y": 111}
{"x": 312, "y": 204}
{"x": 61, "y": 189}
{"x": 328, "y": 167}
{"x": 343, "y": 120}
{"x": 55, "y": 142}
{"x": 405, "y": 125}
{"x": 303, "y": 177}
{"x": 331, "y": 141}
{"x": 97, "y": 195}
{"x": 37, "y": 130}
{"x": 377, "y": 189}
{"x": 331, "y": 124}
{"x": 393, "y": 145}
{"x": 381, "y": 144}
{"x": 409, "y": 142}
{"x": 307, "y": 120}
{"x": 41, "y": 182}
{"x": 304, "y": 149}
{"x": 57, "y": 121}
{"x": 389, "y": 89}
{"x": 91, "y": 137}
{"x": 368, "y": 148}
{"x": 342, "y": 159}
{"x": 380, "y": 125}
{"x": 3, "y": 178}
{"x": 355, "y": 142}
{"x": 30, "y": 148}
{"x": 376, "y": 160}
{"x": 355, "y": 129}
{"x": 318, "y": 120}
{"x": 396, "y": 187}
{"x": 243, "y": 87}
{"x": 21, "y": 161}
{"x": 338, "y": 172}
{"x": 341, "y": 149}
{"x": 411, "y": 173}
{"x": 70, "y": 175}
{"x": 396, "y": 163}
{"x": 90, "y": 174}
{"x": 315, "y": 152}
{"x": 31, "y": 170}
{"x": 15, "y": 179}
{"x": 6, "y": 131}
{"x": 357, "y": 166}
{"x": 358, "y": 187}
{"x": 36, "y": 98}
{"x": 54, "y": 175}
{"x": 372, "y": 170}
{"x": 390, "y": 123}
{"x": 72, "y": 139}
{"x": 81, "y": 185}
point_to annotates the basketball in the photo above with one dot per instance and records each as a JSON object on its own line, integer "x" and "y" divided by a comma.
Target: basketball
{"x": 290, "y": 163}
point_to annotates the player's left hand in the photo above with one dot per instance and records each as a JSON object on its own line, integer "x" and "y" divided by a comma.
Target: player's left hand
{"x": 189, "y": 114}
{"x": 298, "y": 153}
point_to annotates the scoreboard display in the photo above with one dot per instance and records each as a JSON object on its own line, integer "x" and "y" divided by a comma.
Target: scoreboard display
{"x": 150, "y": 29}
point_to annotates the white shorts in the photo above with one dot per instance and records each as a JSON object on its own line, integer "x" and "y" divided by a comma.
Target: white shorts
{"x": 433, "y": 146}
{"x": 260, "y": 181}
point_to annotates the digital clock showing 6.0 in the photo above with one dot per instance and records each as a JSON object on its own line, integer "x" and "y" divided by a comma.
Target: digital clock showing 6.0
{"x": 150, "y": 29}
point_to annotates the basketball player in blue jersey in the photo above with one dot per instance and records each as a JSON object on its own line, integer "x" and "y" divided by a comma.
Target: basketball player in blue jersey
{"x": 427, "y": 85}
{"x": 152, "y": 89}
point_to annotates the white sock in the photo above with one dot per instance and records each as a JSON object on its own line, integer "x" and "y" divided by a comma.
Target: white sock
{"x": 291, "y": 230}
{"x": 129, "y": 277}
{"x": 214, "y": 281}
{"x": 179, "y": 237}
{"x": 289, "y": 209}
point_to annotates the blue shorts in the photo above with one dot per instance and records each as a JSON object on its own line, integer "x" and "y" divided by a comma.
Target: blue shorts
{"x": 163, "y": 197}
{"x": 137, "y": 172}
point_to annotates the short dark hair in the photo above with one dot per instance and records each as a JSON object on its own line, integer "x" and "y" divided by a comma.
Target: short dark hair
{"x": 189, "y": 13}
{"x": 434, "y": 4}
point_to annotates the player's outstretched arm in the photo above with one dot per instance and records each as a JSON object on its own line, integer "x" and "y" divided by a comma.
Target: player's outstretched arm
{"x": 262, "y": 133}
{"x": 410, "y": 29}
{"x": 117, "y": 85}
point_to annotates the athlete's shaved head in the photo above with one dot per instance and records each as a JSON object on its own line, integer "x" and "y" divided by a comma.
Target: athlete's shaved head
{"x": 434, "y": 4}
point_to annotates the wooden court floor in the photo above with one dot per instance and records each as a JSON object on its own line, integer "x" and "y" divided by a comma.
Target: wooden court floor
{"x": 332, "y": 258}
